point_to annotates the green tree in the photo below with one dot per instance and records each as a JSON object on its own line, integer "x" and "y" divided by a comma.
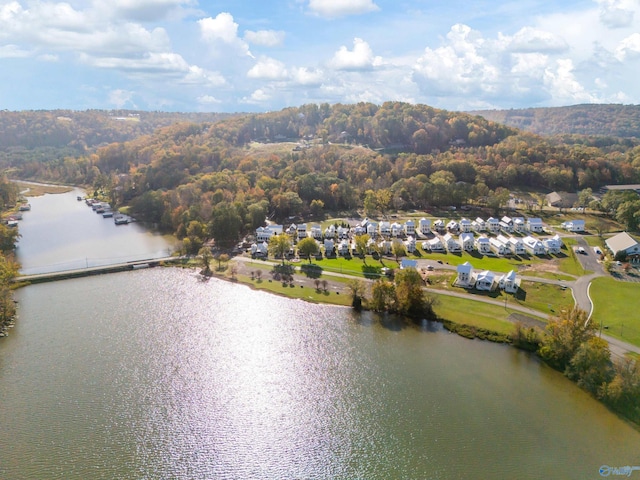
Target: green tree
{"x": 382, "y": 295}
{"x": 308, "y": 247}
{"x": 357, "y": 289}
{"x": 279, "y": 246}
{"x": 564, "y": 335}
{"x": 361, "y": 242}
{"x": 206, "y": 256}
{"x": 584, "y": 197}
{"x": 317, "y": 208}
{"x": 226, "y": 225}
{"x": 591, "y": 366}
{"x": 8, "y": 238}
{"x": 623, "y": 391}
{"x": 398, "y": 249}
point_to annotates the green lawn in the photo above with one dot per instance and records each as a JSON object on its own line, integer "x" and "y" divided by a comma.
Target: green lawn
{"x": 569, "y": 263}
{"x": 616, "y": 307}
{"x": 540, "y": 295}
{"x": 458, "y": 310}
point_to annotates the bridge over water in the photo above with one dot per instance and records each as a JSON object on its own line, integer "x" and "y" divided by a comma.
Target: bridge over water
{"x": 85, "y": 272}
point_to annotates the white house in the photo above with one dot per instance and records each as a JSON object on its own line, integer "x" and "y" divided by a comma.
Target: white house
{"x": 519, "y": 225}
{"x": 509, "y": 282}
{"x": 410, "y": 244}
{"x": 498, "y": 247}
{"x": 385, "y": 229}
{"x": 438, "y": 225}
{"x": 435, "y": 245}
{"x": 623, "y": 242}
{"x": 410, "y": 227}
{"x": 451, "y": 243}
{"x": 330, "y": 231}
{"x": 425, "y": 226}
{"x": 329, "y": 247}
{"x": 535, "y": 225}
{"x": 385, "y": 247}
{"x": 493, "y": 224}
{"x": 343, "y": 247}
{"x": 465, "y": 272}
{"x": 302, "y": 231}
{"x": 453, "y": 226}
{"x": 359, "y": 230}
{"x": 552, "y": 244}
{"x": 343, "y": 232}
{"x": 506, "y": 224}
{"x": 396, "y": 229}
{"x": 465, "y": 225}
{"x": 517, "y": 246}
{"x": 466, "y": 241}
{"x": 263, "y": 234}
{"x": 483, "y": 245}
{"x": 292, "y": 230}
{"x": 316, "y": 231}
{"x": 533, "y": 245}
{"x": 484, "y": 280}
{"x": 479, "y": 225}
{"x": 573, "y": 225}
{"x": 259, "y": 249}
{"x": 505, "y": 241}
{"x": 371, "y": 246}
{"x": 372, "y": 229}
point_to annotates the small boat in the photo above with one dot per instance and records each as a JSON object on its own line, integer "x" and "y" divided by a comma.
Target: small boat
{"x": 25, "y": 207}
{"x": 107, "y": 214}
{"x": 12, "y": 223}
{"x": 120, "y": 220}
{"x": 79, "y": 198}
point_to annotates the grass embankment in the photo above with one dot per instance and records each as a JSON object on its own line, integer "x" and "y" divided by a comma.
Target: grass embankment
{"x": 616, "y": 307}
{"x": 37, "y": 189}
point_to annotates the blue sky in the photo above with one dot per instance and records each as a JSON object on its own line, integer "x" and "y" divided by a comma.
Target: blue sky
{"x": 239, "y": 56}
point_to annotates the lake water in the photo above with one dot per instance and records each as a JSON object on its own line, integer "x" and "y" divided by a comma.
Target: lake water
{"x": 61, "y": 233}
{"x": 155, "y": 374}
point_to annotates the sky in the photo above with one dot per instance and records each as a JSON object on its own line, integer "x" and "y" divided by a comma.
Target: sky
{"x": 265, "y": 55}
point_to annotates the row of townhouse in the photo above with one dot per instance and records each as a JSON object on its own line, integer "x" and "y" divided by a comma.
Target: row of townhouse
{"x": 486, "y": 280}
{"x": 479, "y": 225}
{"x": 387, "y": 229}
{"x": 500, "y": 245}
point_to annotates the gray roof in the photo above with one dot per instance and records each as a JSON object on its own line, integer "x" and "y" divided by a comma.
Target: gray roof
{"x": 619, "y": 242}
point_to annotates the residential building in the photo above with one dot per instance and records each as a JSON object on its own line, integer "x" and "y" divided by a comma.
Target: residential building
{"x": 302, "y": 231}
{"x": 259, "y": 250}
{"x": 484, "y": 280}
{"x": 509, "y": 282}
{"x": 506, "y": 224}
{"x": 453, "y": 226}
{"x": 533, "y": 245}
{"x": 410, "y": 227}
{"x": 330, "y": 231}
{"x": 410, "y": 244}
{"x": 493, "y": 224}
{"x": 505, "y": 241}
{"x": 385, "y": 229}
{"x": 623, "y": 242}
{"x": 479, "y": 225}
{"x": 343, "y": 248}
{"x": 466, "y": 241}
{"x": 396, "y": 229}
{"x": 434, "y": 245}
{"x": 498, "y": 247}
{"x": 372, "y": 229}
{"x": 519, "y": 225}
{"x": 329, "y": 247}
{"x": 439, "y": 225}
{"x": 574, "y": 226}
{"x": 451, "y": 243}
{"x": 465, "y": 225}
{"x": 465, "y": 272}
{"x": 483, "y": 245}
{"x": 552, "y": 245}
{"x": 263, "y": 234}
{"x": 425, "y": 226}
{"x": 316, "y": 231}
{"x": 535, "y": 225}
{"x": 517, "y": 246}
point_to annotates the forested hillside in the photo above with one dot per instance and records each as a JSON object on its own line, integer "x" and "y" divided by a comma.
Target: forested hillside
{"x": 223, "y": 178}
{"x": 601, "y": 120}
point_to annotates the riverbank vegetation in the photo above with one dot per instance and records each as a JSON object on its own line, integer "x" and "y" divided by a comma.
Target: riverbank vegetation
{"x": 8, "y": 266}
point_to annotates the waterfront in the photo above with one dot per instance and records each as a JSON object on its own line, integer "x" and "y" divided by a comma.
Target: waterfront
{"x": 61, "y": 233}
{"x": 155, "y": 373}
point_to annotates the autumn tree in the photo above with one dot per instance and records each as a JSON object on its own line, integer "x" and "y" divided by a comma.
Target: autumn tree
{"x": 411, "y": 299}
{"x": 205, "y": 257}
{"x": 591, "y": 366}
{"x": 362, "y": 242}
{"x": 226, "y": 225}
{"x": 382, "y": 295}
{"x": 398, "y": 249}
{"x": 357, "y": 289}
{"x": 564, "y": 335}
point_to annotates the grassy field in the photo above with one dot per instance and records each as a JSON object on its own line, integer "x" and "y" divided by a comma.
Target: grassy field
{"x": 616, "y": 307}
{"x": 540, "y": 295}
{"x": 36, "y": 189}
{"x": 458, "y": 310}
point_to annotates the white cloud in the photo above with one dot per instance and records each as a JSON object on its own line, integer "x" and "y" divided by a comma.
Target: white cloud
{"x": 121, "y": 98}
{"x": 268, "y": 68}
{"x": 257, "y": 97}
{"x": 140, "y": 10}
{"x": 265, "y": 38}
{"x": 222, "y": 29}
{"x": 629, "y": 48}
{"x": 360, "y": 58}
{"x": 208, "y": 100}
{"x": 307, "y": 77}
{"x": 617, "y": 13}
{"x": 341, "y": 8}
{"x": 562, "y": 82}
{"x": 528, "y": 40}
{"x": 13, "y": 51}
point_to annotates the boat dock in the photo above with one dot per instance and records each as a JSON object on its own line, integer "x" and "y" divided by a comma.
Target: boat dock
{"x": 86, "y": 272}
